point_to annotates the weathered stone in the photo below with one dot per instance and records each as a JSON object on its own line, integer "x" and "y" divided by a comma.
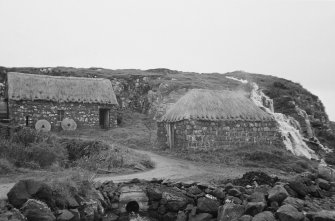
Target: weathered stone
{"x": 289, "y": 213}
{"x": 207, "y": 205}
{"x": 277, "y": 193}
{"x": 295, "y": 202}
{"x": 175, "y": 206}
{"x": 323, "y": 215}
{"x": 65, "y": 215}
{"x": 264, "y": 216}
{"x": 170, "y": 216}
{"x": 27, "y": 189}
{"x": 161, "y": 209}
{"x": 194, "y": 190}
{"x": 36, "y": 210}
{"x": 299, "y": 187}
{"x": 154, "y": 193}
{"x": 323, "y": 184}
{"x": 229, "y": 212}
{"x": 234, "y": 192}
{"x": 245, "y": 218}
{"x": 257, "y": 197}
{"x": 200, "y": 217}
{"x": 181, "y": 216}
{"x": 219, "y": 193}
{"x": 254, "y": 208}
{"x": 326, "y": 173}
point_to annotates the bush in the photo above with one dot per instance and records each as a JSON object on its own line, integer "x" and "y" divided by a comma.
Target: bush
{"x": 27, "y": 136}
{"x": 6, "y": 166}
{"x": 330, "y": 158}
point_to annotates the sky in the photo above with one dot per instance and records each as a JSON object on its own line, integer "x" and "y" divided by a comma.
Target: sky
{"x": 293, "y": 39}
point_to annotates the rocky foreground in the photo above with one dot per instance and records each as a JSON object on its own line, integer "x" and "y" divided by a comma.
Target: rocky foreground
{"x": 254, "y": 197}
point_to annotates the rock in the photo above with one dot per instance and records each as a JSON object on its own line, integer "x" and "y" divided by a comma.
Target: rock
{"x": 264, "y": 216}
{"x": 229, "y": 186}
{"x": 234, "y": 192}
{"x": 170, "y": 216}
{"x": 314, "y": 190}
{"x": 200, "y": 217}
{"x": 161, "y": 209}
{"x": 219, "y": 193}
{"x": 194, "y": 190}
{"x": 175, "y": 206}
{"x": 324, "y": 215}
{"x": 299, "y": 187}
{"x": 254, "y": 208}
{"x": 297, "y": 203}
{"x": 245, "y": 218}
{"x": 36, "y": 210}
{"x": 289, "y": 213}
{"x": 154, "y": 193}
{"x": 181, "y": 216}
{"x": 65, "y": 215}
{"x": 229, "y": 212}
{"x": 277, "y": 193}
{"x": 207, "y": 205}
{"x": 290, "y": 191}
{"x": 110, "y": 217}
{"x": 326, "y": 173}
{"x": 257, "y": 197}
{"x": 263, "y": 189}
{"x": 13, "y": 214}
{"x": 323, "y": 184}
{"x": 27, "y": 189}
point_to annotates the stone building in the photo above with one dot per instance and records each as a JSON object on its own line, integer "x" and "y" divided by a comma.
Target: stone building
{"x": 209, "y": 119}
{"x": 90, "y": 102}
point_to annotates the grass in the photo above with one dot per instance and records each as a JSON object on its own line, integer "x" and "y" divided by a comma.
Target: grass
{"x": 249, "y": 156}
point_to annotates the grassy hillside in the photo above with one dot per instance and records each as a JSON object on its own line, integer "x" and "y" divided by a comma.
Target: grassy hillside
{"x": 171, "y": 84}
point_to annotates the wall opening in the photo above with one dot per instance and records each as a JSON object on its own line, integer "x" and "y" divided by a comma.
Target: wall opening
{"x": 104, "y": 118}
{"x": 132, "y": 206}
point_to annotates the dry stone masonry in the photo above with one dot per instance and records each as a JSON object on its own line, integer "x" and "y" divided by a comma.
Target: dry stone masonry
{"x": 219, "y": 134}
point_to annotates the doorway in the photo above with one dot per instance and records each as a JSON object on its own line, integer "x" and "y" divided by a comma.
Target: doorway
{"x": 104, "y": 118}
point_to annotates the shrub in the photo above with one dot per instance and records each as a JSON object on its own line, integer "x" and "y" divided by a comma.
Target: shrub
{"x": 27, "y": 136}
{"x": 6, "y": 166}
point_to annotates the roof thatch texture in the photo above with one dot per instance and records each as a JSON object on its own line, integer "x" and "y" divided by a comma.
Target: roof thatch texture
{"x": 60, "y": 89}
{"x": 214, "y": 105}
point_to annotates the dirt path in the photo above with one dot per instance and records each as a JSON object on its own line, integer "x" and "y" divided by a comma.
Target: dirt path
{"x": 165, "y": 168}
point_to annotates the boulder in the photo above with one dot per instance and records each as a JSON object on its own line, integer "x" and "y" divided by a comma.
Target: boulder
{"x": 200, "y": 217}
{"x": 194, "y": 190}
{"x": 289, "y": 213}
{"x": 181, "y": 216}
{"x": 324, "y": 215}
{"x": 264, "y": 216}
{"x": 323, "y": 184}
{"x": 207, "y": 205}
{"x": 298, "y": 187}
{"x": 254, "y": 208}
{"x": 219, "y": 193}
{"x": 278, "y": 193}
{"x": 234, "y": 192}
{"x": 36, "y": 210}
{"x": 326, "y": 173}
{"x": 229, "y": 212}
{"x": 175, "y": 206}
{"x": 245, "y": 218}
{"x": 27, "y": 189}
{"x": 154, "y": 193}
{"x": 257, "y": 197}
{"x": 295, "y": 202}
{"x": 170, "y": 216}
{"x": 65, "y": 215}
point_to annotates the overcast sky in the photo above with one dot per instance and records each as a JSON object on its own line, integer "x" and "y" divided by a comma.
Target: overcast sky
{"x": 290, "y": 39}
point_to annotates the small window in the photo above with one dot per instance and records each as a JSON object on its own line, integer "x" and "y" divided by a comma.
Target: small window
{"x": 60, "y": 114}
{"x": 27, "y": 121}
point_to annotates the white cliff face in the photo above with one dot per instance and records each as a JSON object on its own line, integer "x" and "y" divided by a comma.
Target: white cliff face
{"x": 292, "y": 138}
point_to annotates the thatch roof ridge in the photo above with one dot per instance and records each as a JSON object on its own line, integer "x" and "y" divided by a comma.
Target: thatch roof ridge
{"x": 215, "y": 105}
{"x": 23, "y": 86}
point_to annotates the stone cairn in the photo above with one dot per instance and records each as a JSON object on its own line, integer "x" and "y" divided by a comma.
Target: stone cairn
{"x": 254, "y": 197}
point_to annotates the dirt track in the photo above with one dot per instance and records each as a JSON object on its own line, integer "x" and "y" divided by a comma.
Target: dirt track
{"x": 165, "y": 168}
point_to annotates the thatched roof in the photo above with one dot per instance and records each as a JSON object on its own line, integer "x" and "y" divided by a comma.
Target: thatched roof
{"x": 214, "y": 105}
{"x": 60, "y": 89}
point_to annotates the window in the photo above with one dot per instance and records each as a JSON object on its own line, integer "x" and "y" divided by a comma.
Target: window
{"x": 60, "y": 114}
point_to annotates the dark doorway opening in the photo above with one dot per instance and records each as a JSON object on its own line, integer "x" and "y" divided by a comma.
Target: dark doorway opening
{"x": 132, "y": 206}
{"x": 104, "y": 118}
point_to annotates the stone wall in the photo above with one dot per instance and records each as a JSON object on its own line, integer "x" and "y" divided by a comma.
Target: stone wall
{"x": 219, "y": 134}
{"x": 85, "y": 115}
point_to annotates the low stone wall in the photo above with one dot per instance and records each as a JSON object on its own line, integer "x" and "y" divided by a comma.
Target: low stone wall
{"x": 255, "y": 196}
{"x": 219, "y": 134}
{"x": 85, "y": 115}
